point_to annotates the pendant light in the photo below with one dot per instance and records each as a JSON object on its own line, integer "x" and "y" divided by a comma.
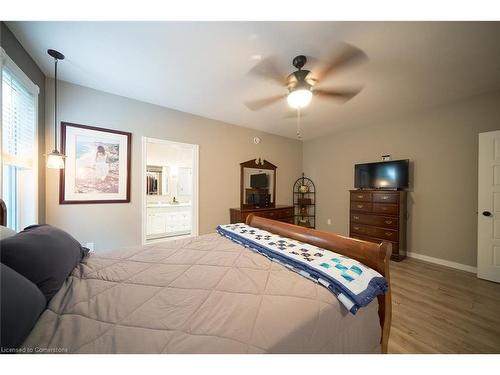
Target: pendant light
{"x": 55, "y": 160}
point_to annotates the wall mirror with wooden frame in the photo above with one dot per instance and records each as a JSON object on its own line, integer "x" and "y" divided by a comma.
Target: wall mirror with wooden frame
{"x": 257, "y": 184}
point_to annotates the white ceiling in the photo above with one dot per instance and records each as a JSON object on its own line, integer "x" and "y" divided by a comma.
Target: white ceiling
{"x": 173, "y": 154}
{"x": 202, "y": 67}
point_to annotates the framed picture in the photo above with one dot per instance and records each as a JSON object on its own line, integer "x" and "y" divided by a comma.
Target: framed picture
{"x": 97, "y": 168}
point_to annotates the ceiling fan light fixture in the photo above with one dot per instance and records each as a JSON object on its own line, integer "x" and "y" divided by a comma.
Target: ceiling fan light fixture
{"x": 299, "y": 98}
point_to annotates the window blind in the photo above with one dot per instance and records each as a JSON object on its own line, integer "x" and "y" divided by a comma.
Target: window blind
{"x": 18, "y": 121}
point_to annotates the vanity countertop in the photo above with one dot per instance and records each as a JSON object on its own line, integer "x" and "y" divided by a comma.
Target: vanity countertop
{"x": 158, "y": 205}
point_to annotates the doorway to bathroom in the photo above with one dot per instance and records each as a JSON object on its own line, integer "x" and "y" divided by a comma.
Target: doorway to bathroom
{"x": 170, "y": 190}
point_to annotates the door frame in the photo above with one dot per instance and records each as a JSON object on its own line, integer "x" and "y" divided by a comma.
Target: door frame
{"x": 195, "y": 199}
{"x": 486, "y": 203}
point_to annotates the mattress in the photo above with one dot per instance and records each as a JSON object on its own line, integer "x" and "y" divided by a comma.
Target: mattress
{"x": 205, "y": 294}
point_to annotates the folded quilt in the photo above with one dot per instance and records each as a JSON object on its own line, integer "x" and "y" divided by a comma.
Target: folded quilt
{"x": 354, "y": 284}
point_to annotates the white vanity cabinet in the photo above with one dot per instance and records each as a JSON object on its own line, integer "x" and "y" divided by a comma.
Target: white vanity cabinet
{"x": 165, "y": 220}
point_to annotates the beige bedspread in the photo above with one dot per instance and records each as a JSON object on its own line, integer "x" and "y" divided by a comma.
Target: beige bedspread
{"x": 199, "y": 295}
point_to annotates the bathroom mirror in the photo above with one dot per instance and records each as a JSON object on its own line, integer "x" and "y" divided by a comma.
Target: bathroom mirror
{"x": 185, "y": 181}
{"x": 257, "y": 184}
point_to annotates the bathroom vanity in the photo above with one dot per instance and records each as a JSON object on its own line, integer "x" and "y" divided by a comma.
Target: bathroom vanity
{"x": 168, "y": 219}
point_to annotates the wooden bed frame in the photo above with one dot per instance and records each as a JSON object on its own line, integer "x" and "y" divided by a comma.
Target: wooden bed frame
{"x": 3, "y": 213}
{"x": 373, "y": 255}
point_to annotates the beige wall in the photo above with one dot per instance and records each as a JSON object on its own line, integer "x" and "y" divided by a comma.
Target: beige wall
{"x": 442, "y": 145}
{"x": 222, "y": 148}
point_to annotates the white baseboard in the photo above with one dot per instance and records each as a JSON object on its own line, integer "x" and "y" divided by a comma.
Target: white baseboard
{"x": 442, "y": 262}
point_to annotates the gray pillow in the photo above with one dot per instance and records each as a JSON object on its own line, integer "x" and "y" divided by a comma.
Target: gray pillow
{"x": 43, "y": 254}
{"x": 6, "y": 232}
{"x": 21, "y": 305}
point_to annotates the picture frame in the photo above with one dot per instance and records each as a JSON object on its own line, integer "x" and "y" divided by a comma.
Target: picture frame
{"x": 97, "y": 166}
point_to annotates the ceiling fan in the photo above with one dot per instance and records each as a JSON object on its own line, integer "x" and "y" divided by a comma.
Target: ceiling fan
{"x": 302, "y": 83}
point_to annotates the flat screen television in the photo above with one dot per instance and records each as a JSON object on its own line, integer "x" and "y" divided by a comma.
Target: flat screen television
{"x": 258, "y": 181}
{"x": 382, "y": 175}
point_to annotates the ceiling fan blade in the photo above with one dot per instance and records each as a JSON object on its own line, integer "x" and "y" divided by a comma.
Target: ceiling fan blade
{"x": 344, "y": 95}
{"x": 347, "y": 55}
{"x": 256, "y": 105}
{"x": 268, "y": 69}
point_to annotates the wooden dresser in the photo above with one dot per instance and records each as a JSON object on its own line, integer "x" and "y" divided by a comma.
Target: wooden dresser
{"x": 379, "y": 215}
{"x": 280, "y": 213}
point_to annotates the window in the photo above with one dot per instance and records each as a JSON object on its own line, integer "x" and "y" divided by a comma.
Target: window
{"x": 19, "y": 164}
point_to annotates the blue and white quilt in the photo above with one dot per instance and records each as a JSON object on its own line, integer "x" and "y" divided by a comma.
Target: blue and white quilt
{"x": 354, "y": 284}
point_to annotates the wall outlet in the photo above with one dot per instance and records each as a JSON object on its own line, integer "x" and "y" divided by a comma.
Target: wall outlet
{"x": 90, "y": 246}
{"x": 329, "y": 221}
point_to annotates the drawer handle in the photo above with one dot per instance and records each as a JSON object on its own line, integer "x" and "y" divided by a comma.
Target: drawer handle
{"x": 384, "y": 208}
{"x": 360, "y": 196}
{"x": 385, "y": 197}
{"x": 271, "y": 213}
{"x": 356, "y": 217}
{"x": 388, "y": 234}
{"x": 359, "y": 206}
{"x": 388, "y": 221}
{"x": 356, "y": 228}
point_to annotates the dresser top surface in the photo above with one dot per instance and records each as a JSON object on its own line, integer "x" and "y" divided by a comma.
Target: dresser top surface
{"x": 376, "y": 191}
{"x": 277, "y": 207}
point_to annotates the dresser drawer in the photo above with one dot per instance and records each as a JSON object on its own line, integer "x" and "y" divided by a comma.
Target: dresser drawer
{"x": 289, "y": 220}
{"x": 361, "y": 206}
{"x": 287, "y": 212}
{"x": 383, "y": 234}
{"x": 267, "y": 214}
{"x": 360, "y": 229}
{"x": 278, "y": 214}
{"x": 361, "y": 196}
{"x": 386, "y": 208}
{"x": 386, "y": 234}
{"x": 395, "y": 245}
{"x": 378, "y": 221}
{"x": 385, "y": 197}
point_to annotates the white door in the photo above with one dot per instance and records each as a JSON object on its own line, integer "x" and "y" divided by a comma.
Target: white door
{"x": 488, "y": 221}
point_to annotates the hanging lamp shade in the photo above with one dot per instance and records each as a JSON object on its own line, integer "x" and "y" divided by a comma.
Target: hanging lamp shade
{"x": 55, "y": 160}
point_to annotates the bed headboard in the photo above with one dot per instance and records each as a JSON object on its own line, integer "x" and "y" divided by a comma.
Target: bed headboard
{"x": 3, "y": 213}
{"x": 376, "y": 256}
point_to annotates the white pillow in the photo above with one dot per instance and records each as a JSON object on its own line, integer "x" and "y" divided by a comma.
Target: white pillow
{"x": 6, "y": 232}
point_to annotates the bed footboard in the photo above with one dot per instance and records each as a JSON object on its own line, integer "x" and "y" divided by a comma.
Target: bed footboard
{"x": 373, "y": 255}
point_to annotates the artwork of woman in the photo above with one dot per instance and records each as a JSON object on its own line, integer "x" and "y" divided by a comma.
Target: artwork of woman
{"x": 101, "y": 163}
{"x": 97, "y": 166}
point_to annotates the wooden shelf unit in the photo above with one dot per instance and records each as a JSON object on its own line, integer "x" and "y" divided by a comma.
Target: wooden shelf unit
{"x": 304, "y": 202}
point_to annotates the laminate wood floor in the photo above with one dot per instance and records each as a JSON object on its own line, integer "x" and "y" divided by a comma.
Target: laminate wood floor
{"x": 436, "y": 309}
